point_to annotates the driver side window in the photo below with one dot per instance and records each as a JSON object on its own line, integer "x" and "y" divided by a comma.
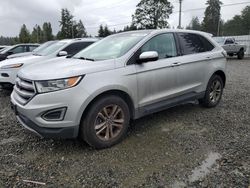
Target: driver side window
{"x": 164, "y": 44}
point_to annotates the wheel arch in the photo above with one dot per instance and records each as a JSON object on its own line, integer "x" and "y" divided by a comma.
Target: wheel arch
{"x": 222, "y": 75}
{"x": 124, "y": 95}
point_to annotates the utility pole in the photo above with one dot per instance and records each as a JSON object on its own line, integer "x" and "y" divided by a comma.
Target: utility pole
{"x": 218, "y": 29}
{"x": 180, "y": 1}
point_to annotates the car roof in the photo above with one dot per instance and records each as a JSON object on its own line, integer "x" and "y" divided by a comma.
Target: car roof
{"x": 79, "y": 40}
{"x": 159, "y": 31}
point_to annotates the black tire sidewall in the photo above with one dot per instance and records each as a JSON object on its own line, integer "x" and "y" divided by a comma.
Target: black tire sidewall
{"x": 241, "y": 54}
{"x": 206, "y": 101}
{"x": 88, "y": 132}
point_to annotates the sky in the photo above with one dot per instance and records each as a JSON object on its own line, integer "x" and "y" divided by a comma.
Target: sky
{"x": 115, "y": 13}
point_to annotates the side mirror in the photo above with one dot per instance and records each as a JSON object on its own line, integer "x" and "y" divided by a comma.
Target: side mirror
{"x": 62, "y": 53}
{"x": 148, "y": 56}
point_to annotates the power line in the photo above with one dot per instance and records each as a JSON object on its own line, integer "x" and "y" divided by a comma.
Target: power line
{"x": 187, "y": 10}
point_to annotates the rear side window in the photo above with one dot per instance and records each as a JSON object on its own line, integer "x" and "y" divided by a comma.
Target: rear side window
{"x": 229, "y": 41}
{"x": 164, "y": 44}
{"x": 76, "y": 47}
{"x": 31, "y": 48}
{"x": 193, "y": 43}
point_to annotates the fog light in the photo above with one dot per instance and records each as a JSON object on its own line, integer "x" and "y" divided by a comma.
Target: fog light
{"x": 55, "y": 114}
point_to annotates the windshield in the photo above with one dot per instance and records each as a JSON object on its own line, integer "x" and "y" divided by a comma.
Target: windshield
{"x": 43, "y": 46}
{"x": 111, "y": 47}
{"x": 51, "y": 49}
{"x": 220, "y": 40}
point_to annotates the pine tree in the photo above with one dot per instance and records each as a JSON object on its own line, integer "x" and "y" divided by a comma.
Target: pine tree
{"x": 24, "y": 35}
{"x": 66, "y": 24}
{"x": 101, "y": 31}
{"x": 195, "y": 24}
{"x": 212, "y": 17}
{"x": 47, "y": 32}
{"x": 80, "y": 30}
{"x": 107, "y": 32}
{"x": 152, "y": 14}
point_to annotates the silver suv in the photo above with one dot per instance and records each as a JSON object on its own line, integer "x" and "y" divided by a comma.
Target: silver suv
{"x": 98, "y": 91}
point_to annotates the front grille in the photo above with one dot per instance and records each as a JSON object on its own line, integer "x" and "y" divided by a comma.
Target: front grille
{"x": 24, "y": 90}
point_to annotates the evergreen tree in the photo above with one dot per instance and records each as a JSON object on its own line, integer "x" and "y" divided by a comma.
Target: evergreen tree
{"x": 24, "y": 35}
{"x": 47, "y": 32}
{"x": 212, "y": 17}
{"x": 152, "y": 14}
{"x": 101, "y": 31}
{"x": 66, "y": 24}
{"x": 194, "y": 24}
{"x": 80, "y": 30}
{"x": 107, "y": 32}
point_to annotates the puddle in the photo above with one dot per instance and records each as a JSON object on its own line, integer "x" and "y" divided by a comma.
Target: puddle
{"x": 201, "y": 171}
{"x": 9, "y": 140}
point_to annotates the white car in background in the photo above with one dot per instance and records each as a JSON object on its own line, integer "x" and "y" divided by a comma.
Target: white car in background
{"x": 231, "y": 46}
{"x": 37, "y": 50}
{"x": 68, "y": 47}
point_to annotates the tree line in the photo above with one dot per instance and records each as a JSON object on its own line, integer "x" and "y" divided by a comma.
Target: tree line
{"x": 149, "y": 14}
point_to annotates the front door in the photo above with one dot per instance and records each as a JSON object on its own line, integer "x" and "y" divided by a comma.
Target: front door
{"x": 157, "y": 79}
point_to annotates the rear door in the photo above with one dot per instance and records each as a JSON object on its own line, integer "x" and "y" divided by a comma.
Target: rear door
{"x": 194, "y": 64}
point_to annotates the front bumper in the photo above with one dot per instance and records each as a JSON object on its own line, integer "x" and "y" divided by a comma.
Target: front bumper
{"x": 8, "y": 76}
{"x": 30, "y": 115}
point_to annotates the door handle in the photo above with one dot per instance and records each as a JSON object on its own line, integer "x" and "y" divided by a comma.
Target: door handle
{"x": 208, "y": 58}
{"x": 175, "y": 64}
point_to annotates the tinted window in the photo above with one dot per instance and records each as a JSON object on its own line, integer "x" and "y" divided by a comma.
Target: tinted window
{"x": 206, "y": 44}
{"x": 192, "y": 43}
{"x": 74, "y": 48}
{"x": 31, "y": 48}
{"x": 229, "y": 41}
{"x": 164, "y": 44}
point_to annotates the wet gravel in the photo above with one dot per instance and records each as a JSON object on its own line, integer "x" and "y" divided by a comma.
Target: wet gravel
{"x": 186, "y": 146}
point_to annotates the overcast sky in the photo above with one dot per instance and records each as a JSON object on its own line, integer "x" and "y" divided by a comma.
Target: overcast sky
{"x": 115, "y": 13}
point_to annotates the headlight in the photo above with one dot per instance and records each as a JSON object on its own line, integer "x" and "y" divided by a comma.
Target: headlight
{"x": 55, "y": 85}
{"x": 12, "y": 66}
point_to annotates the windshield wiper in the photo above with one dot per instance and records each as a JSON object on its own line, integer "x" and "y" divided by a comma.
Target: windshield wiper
{"x": 84, "y": 58}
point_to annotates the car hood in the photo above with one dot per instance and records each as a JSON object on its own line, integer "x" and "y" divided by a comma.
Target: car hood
{"x": 63, "y": 68}
{"x": 20, "y": 55}
{"x": 25, "y": 60}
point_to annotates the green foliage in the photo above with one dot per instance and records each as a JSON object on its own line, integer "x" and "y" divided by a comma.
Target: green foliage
{"x": 80, "y": 30}
{"x": 152, "y": 14}
{"x": 66, "y": 24}
{"x": 194, "y": 24}
{"x": 24, "y": 35}
{"x": 8, "y": 40}
{"x": 239, "y": 25}
{"x": 212, "y": 17}
{"x": 47, "y": 32}
{"x": 69, "y": 27}
{"x": 101, "y": 31}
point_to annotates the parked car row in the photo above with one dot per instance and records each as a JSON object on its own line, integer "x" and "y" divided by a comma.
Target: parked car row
{"x": 16, "y": 49}
{"x": 93, "y": 94}
{"x": 9, "y": 68}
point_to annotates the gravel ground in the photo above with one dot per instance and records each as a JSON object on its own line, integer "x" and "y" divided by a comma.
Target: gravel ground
{"x": 186, "y": 146}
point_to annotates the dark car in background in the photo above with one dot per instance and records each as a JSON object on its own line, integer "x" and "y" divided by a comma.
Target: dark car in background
{"x": 19, "y": 48}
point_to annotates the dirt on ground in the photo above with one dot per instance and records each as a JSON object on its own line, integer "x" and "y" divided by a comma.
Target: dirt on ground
{"x": 185, "y": 146}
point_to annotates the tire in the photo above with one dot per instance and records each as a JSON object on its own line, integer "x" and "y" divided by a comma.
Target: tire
{"x": 241, "y": 54}
{"x": 213, "y": 92}
{"x": 99, "y": 128}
